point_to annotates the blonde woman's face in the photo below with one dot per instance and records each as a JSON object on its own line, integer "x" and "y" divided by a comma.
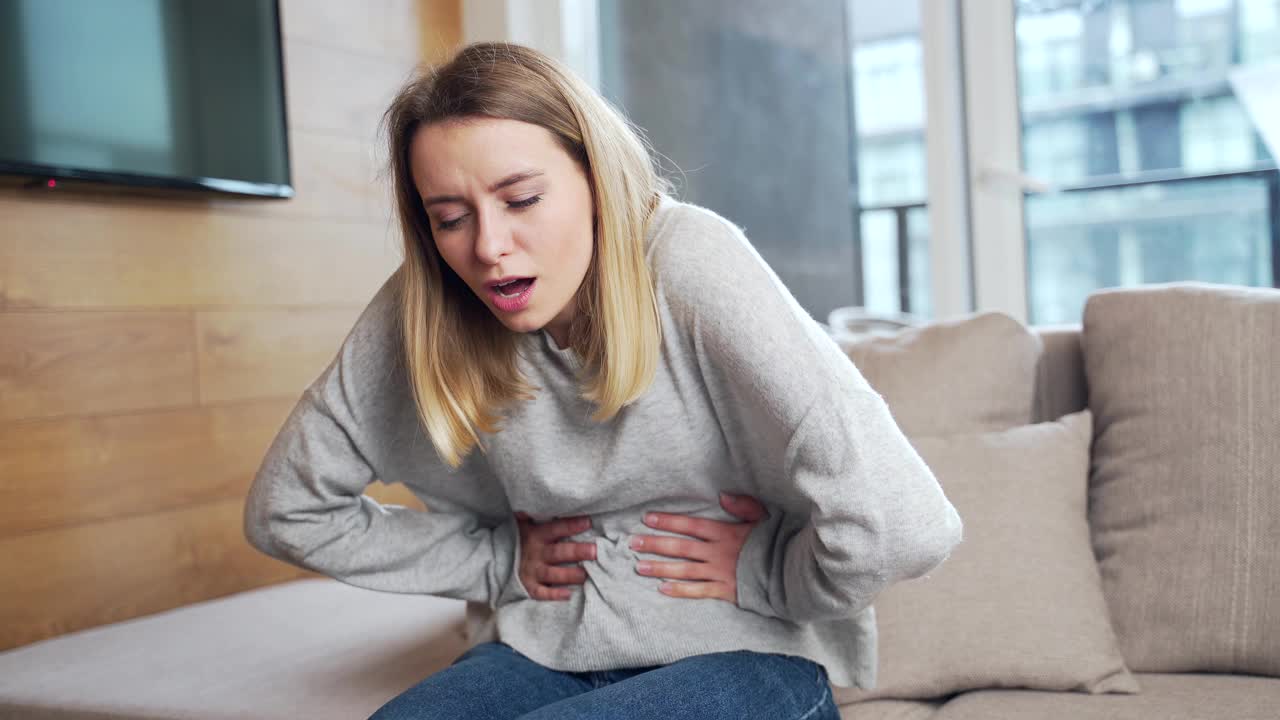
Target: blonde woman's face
{"x": 506, "y": 201}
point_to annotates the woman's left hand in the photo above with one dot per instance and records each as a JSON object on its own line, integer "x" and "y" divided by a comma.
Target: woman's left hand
{"x": 714, "y": 553}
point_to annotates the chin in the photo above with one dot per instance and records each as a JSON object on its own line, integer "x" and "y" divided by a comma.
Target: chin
{"x": 520, "y": 324}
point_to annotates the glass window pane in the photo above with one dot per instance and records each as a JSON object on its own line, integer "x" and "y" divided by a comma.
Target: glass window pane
{"x": 889, "y": 113}
{"x": 1127, "y": 107}
{"x": 1210, "y": 230}
{"x": 789, "y": 119}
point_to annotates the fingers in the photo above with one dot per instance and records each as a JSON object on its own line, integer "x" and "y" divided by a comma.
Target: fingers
{"x": 715, "y": 589}
{"x": 672, "y": 547}
{"x": 567, "y": 552}
{"x": 564, "y": 527}
{"x": 546, "y": 574}
{"x": 544, "y": 592}
{"x": 701, "y": 528}
{"x": 542, "y": 550}
{"x": 743, "y": 507}
{"x": 677, "y": 570}
{"x": 552, "y": 575}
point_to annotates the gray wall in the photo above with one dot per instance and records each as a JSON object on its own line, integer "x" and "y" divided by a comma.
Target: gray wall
{"x": 750, "y": 99}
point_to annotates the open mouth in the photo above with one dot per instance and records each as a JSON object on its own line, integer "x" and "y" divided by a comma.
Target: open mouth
{"x": 512, "y": 296}
{"x": 514, "y": 288}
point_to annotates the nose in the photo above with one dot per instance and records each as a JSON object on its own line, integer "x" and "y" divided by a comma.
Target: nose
{"x": 493, "y": 237}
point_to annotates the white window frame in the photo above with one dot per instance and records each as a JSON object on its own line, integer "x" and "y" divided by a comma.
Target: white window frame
{"x": 946, "y": 160}
{"x": 567, "y": 30}
{"x": 994, "y": 132}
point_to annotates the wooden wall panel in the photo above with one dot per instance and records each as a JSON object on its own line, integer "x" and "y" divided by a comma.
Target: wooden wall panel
{"x": 261, "y": 353}
{"x": 81, "y": 576}
{"x": 77, "y": 577}
{"x": 78, "y": 470}
{"x": 133, "y": 255}
{"x": 55, "y": 364}
{"x": 338, "y": 177}
{"x": 340, "y": 93}
{"x": 356, "y": 27}
{"x": 151, "y": 347}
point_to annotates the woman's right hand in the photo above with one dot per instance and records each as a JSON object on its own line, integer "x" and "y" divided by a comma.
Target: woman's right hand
{"x": 541, "y": 552}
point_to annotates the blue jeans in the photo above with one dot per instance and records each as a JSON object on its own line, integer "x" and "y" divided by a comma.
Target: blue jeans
{"x": 493, "y": 681}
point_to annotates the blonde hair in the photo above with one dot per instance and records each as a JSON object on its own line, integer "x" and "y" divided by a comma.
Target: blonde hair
{"x": 460, "y": 360}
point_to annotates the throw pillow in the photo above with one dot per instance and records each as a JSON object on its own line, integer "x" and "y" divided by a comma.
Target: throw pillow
{"x": 963, "y": 375}
{"x": 1019, "y": 602}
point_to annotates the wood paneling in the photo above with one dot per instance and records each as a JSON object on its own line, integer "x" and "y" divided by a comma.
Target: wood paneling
{"x": 77, "y": 577}
{"x": 81, "y": 254}
{"x": 261, "y": 353}
{"x": 78, "y": 470}
{"x": 396, "y": 28}
{"x": 338, "y": 177}
{"x": 55, "y": 364}
{"x": 340, "y": 93}
{"x": 151, "y": 347}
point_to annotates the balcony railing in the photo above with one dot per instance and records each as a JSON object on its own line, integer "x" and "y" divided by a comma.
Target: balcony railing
{"x": 1268, "y": 174}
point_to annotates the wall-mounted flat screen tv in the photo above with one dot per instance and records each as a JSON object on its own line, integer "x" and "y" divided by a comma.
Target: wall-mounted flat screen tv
{"x": 185, "y": 94}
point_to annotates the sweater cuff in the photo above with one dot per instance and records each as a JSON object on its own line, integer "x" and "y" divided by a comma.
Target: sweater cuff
{"x": 756, "y": 566}
{"x": 506, "y": 538}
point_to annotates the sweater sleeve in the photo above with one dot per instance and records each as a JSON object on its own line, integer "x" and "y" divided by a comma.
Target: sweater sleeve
{"x": 875, "y": 516}
{"x": 307, "y": 506}
{"x": 853, "y": 506}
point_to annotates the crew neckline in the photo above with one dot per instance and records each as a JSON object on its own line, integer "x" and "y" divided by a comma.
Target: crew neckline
{"x": 568, "y": 355}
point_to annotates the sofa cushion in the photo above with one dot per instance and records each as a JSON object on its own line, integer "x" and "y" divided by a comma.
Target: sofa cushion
{"x": 964, "y": 375}
{"x": 1163, "y": 697}
{"x": 1060, "y": 381}
{"x": 306, "y": 649}
{"x": 1019, "y": 602}
{"x": 1184, "y": 383}
{"x": 890, "y": 710}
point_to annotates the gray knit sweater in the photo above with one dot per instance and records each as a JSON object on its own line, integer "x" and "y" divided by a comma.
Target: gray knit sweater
{"x": 751, "y": 396}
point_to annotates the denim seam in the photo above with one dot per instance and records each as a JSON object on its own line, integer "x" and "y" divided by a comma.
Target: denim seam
{"x": 822, "y": 700}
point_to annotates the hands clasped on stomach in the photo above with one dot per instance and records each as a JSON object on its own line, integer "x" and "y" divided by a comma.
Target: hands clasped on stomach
{"x": 708, "y": 558}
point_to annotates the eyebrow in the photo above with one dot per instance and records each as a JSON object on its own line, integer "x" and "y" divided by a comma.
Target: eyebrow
{"x": 504, "y": 182}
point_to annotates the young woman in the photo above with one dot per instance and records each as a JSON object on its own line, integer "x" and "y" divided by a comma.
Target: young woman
{"x": 570, "y": 367}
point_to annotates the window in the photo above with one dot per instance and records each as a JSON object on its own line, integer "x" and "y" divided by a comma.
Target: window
{"x": 802, "y": 122}
{"x": 1127, "y": 109}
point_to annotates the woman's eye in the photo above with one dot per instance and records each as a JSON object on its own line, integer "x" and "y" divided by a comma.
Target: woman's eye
{"x": 451, "y": 223}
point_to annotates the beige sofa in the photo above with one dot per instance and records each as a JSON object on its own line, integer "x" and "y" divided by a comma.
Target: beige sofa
{"x": 275, "y": 653}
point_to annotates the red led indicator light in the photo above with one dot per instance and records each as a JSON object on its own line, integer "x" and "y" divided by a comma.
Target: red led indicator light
{"x": 52, "y": 183}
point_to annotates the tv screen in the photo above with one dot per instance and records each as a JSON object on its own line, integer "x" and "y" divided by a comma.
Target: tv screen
{"x": 163, "y": 93}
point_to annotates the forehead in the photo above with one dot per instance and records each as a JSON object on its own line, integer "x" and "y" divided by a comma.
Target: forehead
{"x": 450, "y": 155}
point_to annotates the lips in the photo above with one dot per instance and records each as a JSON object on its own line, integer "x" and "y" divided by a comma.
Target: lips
{"x": 512, "y": 294}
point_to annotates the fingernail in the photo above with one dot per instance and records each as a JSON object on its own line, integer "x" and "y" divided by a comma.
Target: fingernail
{"x": 651, "y": 519}
{"x": 644, "y": 566}
{"x": 726, "y": 496}
{"x": 665, "y": 587}
{"x": 637, "y": 542}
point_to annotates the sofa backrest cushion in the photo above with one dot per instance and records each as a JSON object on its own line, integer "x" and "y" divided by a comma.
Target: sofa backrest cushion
{"x": 1184, "y": 385}
{"x": 1060, "y": 382}
{"x": 968, "y": 374}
